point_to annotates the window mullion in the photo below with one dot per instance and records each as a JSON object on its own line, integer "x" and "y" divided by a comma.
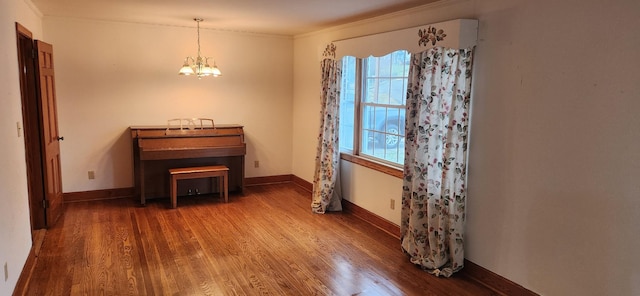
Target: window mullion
{"x": 358, "y": 107}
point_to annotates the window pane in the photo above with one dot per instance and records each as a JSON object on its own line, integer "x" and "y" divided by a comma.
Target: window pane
{"x": 367, "y": 137}
{"x": 347, "y": 103}
{"x": 368, "y": 117}
{"x": 384, "y": 64}
{"x": 400, "y": 63}
{"x": 393, "y": 116}
{"x": 370, "y": 94}
{"x": 383, "y": 91}
{"x": 378, "y": 144}
{"x": 371, "y": 63}
{"x": 398, "y": 92}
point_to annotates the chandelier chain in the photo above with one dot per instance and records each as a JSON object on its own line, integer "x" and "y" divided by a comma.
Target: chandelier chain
{"x": 198, "y": 24}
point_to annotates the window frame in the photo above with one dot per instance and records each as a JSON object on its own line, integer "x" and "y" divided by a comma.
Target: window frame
{"x": 356, "y": 155}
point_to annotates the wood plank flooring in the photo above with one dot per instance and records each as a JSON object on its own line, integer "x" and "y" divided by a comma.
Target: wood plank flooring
{"x": 265, "y": 242}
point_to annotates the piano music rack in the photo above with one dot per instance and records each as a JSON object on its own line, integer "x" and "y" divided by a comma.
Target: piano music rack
{"x": 182, "y": 126}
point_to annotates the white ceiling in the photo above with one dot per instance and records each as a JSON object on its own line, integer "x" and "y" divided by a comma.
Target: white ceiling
{"x": 283, "y": 17}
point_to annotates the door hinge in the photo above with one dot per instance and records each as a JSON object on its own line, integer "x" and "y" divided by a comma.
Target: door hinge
{"x": 45, "y": 203}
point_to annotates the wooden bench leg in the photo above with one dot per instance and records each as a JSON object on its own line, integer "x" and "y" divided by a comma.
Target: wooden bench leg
{"x": 174, "y": 192}
{"x": 225, "y": 187}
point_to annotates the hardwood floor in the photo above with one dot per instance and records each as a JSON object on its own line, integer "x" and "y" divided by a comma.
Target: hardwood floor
{"x": 266, "y": 242}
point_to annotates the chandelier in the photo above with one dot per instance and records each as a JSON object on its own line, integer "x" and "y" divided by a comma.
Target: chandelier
{"x": 199, "y": 66}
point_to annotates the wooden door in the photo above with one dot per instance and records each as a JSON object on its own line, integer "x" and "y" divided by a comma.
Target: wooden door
{"x": 50, "y": 136}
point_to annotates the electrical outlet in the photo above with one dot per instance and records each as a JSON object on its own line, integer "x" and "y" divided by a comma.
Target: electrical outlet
{"x": 6, "y": 272}
{"x": 392, "y": 204}
{"x": 92, "y": 175}
{"x": 256, "y": 164}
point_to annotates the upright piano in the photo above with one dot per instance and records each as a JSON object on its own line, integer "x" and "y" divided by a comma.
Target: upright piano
{"x": 156, "y": 149}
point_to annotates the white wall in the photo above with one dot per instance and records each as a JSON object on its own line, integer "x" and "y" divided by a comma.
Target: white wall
{"x": 360, "y": 187}
{"x": 553, "y": 201}
{"x": 110, "y": 76}
{"x": 15, "y": 227}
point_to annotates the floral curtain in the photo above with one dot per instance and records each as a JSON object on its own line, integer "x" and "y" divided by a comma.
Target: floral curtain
{"x": 326, "y": 185}
{"x": 433, "y": 191}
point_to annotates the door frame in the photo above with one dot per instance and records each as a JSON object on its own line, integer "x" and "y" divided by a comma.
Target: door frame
{"x": 31, "y": 125}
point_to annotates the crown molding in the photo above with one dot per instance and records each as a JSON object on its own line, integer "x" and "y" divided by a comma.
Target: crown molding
{"x": 384, "y": 17}
{"x": 129, "y": 22}
{"x": 34, "y": 8}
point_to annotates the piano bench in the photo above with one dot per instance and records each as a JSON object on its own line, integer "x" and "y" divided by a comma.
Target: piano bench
{"x": 217, "y": 171}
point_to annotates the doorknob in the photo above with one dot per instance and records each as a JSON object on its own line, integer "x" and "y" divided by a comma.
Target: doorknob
{"x": 60, "y": 138}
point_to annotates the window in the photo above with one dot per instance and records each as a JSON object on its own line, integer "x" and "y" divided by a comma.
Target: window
{"x": 372, "y": 106}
